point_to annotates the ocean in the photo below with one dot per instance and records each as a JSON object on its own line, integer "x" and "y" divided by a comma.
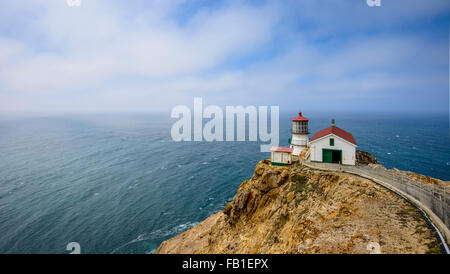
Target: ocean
{"x": 119, "y": 184}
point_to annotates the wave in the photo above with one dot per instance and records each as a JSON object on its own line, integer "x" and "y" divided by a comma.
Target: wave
{"x": 159, "y": 233}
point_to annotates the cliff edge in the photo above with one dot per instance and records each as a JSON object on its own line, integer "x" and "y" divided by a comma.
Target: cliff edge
{"x": 296, "y": 209}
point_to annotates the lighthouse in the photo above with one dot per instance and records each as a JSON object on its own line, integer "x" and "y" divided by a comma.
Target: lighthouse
{"x": 300, "y": 133}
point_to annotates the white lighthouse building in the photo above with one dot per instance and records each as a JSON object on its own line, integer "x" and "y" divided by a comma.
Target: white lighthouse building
{"x": 333, "y": 145}
{"x": 330, "y": 145}
{"x": 299, "y": 140}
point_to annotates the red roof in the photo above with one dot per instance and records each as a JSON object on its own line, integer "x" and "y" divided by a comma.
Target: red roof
{"x": 282, "y": 149}
{"x": 299, "y": 118}
{"x": 336, "y": 131}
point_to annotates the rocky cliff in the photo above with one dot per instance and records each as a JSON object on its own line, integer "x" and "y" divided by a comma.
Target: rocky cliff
{"x": 365, "y": 158}
{"x": 296, "y": 209}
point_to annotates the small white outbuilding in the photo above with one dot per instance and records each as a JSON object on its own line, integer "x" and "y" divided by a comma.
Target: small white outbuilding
{"x": 281, "y": 156}
{"x": 333, "y": 145}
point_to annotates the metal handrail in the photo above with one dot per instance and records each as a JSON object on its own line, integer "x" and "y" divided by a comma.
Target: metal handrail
{"x": 433, "y": 198}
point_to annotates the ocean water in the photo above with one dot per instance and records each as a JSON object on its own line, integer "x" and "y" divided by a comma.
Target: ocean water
{"x": 119, "y": 184}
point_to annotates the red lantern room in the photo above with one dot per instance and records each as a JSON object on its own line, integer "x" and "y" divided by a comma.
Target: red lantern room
{"x": 300, "y": 125}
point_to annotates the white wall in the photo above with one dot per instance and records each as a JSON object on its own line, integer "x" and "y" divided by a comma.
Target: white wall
{"x": 276, "y": 157}
{"x": 300, "y": 140}
{"x": 281, "y": 157}
{"x": 348, "y": 149}
{"x": 298, "y": 143}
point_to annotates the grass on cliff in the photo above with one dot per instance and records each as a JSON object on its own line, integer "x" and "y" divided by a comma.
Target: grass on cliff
{"x": 434, "y": 248}
{"x": 300, "y": 183}
{"x": 283, "y": 219}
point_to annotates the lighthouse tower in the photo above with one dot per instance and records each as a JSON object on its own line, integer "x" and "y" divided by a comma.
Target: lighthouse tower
{"x": 300, "y": 133}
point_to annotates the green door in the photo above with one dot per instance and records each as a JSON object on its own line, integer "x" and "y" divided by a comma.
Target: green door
{"x": 327, "y": 155}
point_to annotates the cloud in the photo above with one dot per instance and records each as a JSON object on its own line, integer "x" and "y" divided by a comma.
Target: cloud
{"x": 107, "y": 56}
{"x": 91, "y": 46}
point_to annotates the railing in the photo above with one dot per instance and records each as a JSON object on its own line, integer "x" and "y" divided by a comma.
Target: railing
{"x": 308, "y": 153}
{"x": 434, "y": 197}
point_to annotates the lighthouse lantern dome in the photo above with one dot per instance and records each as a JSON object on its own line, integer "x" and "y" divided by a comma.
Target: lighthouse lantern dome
{"x": 300, "y": 125}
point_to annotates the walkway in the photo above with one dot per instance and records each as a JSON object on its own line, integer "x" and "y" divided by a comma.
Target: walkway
{"x": 431, "y": 199}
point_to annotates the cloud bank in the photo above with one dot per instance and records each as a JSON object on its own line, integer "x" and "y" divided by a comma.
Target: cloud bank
{"x": 145, "y": 56}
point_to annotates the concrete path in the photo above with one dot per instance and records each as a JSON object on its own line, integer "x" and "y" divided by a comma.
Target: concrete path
{"x": 431, "y": 200}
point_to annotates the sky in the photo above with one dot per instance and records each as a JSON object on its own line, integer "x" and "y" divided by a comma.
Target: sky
{"x": 105, "y": 56}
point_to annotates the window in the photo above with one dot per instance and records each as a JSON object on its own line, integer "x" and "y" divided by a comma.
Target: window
{"x": 300, "y": 127}
{"x": 331, "y": 142}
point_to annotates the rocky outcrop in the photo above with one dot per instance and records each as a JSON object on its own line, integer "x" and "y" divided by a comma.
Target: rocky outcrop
{"x": 365, "y": 158}
{"x": 296, "y": 209}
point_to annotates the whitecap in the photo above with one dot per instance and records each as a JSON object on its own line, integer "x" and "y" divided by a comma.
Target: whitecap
{"x": 132, "y": 186}
{"x": 151, "y": 251}
{"x": 157, "y": 234}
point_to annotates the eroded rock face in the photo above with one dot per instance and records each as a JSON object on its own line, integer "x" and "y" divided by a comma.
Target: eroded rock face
{"x": 365, "y": 158}
{"x": 299, "y": 210}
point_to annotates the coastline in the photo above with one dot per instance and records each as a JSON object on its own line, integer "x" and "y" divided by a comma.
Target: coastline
{"x": 246, "y": 224}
